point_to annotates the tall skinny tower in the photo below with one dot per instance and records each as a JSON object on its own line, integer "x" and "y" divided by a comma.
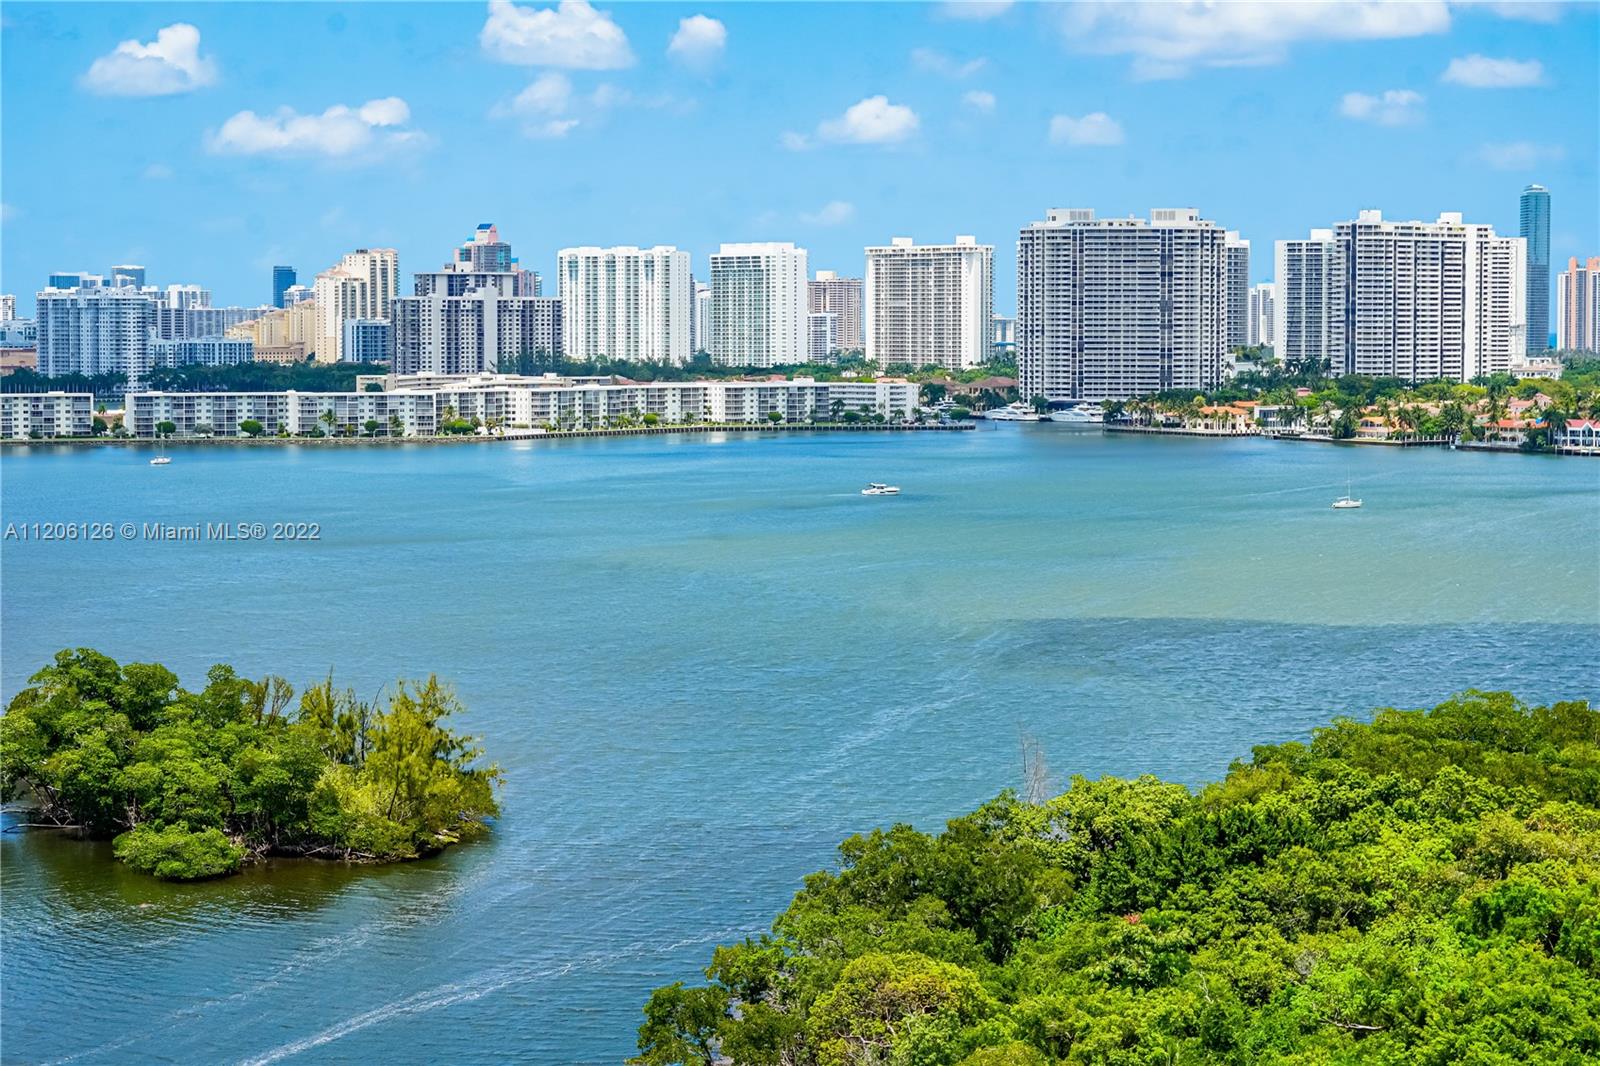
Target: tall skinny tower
{"x": 1536, "y": 231}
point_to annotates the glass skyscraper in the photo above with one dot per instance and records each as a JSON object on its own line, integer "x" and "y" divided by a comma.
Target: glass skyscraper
{"x": 1536, "y": 230}
{"x": 282, "y": 278}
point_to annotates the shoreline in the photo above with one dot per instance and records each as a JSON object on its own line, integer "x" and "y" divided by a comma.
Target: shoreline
{"x": 472, "y": 438}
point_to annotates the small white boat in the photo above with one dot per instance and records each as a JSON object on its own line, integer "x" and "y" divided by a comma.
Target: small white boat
{"x": 878, "y": 488}
{"x": 1346, "y": 502}
{"x": 1016, "y": 412}
{"x": 161, "y": 457}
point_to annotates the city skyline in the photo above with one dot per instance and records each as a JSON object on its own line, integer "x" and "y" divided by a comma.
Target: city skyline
{"x": 936, "y": 123}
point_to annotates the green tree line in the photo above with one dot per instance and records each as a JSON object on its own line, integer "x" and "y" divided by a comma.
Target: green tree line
{"x": 191, "y": 785}
{"x": 1423, "y": 889}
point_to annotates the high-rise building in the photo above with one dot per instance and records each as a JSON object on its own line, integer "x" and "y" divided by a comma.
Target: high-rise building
{"x": 476, "y": 332}
{"x": 8, "y": 307}
{"x": 822, "y": 333}
{"x": 1535, "y": 219}
{"x": 296, "y": 293}
{"x": 1237, "y": 251}
{"x": 843, "y": 297}
{"x": 1260, "y": 315}
{"x": 1005, "y": 333}
{"x": 700, "y": 320}
{"x": 362, "y": 285}
{"x": 1578, "y": 306}
{"x": 286, "y": 335}
{"x": 73, "y": 279}
{"x": 625, "y": 303}
{"x": 485, "y": 252}
{"x": 1414, "y": 300}
{"x": 758, "y": 305}
{"x": 128, "y": 276}
{"x": 95, "y": 330}
{"x": 1308, "y": 321}
{"x": 930, "y": 304}
{"x": 1109, "y": 309}
{"x": 282, "y": 278}
{"x": 205, "y": 351}
{"x": 367, "y": 340}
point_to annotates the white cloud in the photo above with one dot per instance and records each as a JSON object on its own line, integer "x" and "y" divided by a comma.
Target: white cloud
{"x": 171, "y": 63}
{"x": 340, "y": 132}
{"x": 549, "y": 94}
{"x": 573, "y": 35}
{"x": 1396, "y": 107}
{"x": 832, "y": 213}
{"x": 1097, "y": 129}
{"x": 1546, "y": 11}
{"x": 935, "y": 62}
{"x": 549, "y": 108}
{"x": 157, "y": 172}
{"x": 1169, "y": 39}
{"x": 1519, "y": 155}
{"x": 979, "y": 100}
{"x": 1483, "y": 72}
{"x": 699, "y": 41}
{"x": 974, "y": 10}
{"x": 872, "y": 121}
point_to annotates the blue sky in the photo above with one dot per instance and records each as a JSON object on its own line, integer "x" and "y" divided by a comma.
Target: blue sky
{"x": 211, "y": 141}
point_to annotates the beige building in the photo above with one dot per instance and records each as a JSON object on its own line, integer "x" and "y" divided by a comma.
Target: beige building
{"x": 288, "y": 335}
{"x": 362, "y": 285}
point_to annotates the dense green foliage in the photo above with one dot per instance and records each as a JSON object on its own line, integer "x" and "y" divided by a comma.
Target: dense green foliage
{"x": 193, "y": 784}
{"x": 262, "y": 377}
{"x": 1423, "y": 889}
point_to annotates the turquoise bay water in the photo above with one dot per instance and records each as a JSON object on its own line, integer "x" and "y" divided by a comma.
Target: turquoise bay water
{"x": 702, "y": 662}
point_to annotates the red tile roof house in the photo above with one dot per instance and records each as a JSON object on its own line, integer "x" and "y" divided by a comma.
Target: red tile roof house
{"x": 1580, "y": 436}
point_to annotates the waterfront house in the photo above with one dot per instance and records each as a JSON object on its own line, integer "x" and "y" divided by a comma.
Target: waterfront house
{"x": 1231, "y": 419}
{"x": 1580, "y": 436}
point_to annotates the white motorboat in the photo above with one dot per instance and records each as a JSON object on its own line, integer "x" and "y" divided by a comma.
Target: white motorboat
{"x": 1081, "y": 414}
{"x": 1015, "y": 412}
{"x": 878, "y": 488}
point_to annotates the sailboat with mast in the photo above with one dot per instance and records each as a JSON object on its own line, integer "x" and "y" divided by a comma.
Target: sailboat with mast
{"x": 161, "y": 456}
{"x": 1346, "y": 502}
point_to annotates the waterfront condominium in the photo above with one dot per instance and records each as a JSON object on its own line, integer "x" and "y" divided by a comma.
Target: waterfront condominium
{"x": 831, "y": 294}
{"x": 362, "y": 285}
{"x": 758, "y": 305}
{"x": 1109, "y": 309}
{"x": 1414, "y": 300}
{"x": 1237, "y": 251}
{"x": 1535, "y": 220}
{"x": 8, "y": 307}
{"x": 282, "y": 278}
{"x": 95, "y": 330}
{"x": 930, "y": 303}
{"x": 1578, "y": 306}
{"x": 1260, "y": 330}
{"x": 626, "y": 303}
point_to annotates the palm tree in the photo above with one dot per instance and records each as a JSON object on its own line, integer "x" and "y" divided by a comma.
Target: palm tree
{"x": 397, "y": 428}
{"x": 328, "y": 418}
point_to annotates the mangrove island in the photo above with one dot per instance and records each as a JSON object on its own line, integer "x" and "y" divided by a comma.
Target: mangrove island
{"x": 194, "y": 785}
